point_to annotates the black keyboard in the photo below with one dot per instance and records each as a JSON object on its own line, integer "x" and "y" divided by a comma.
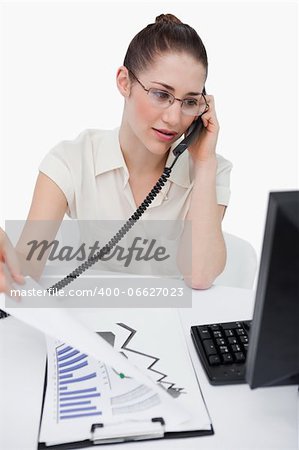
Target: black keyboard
{"x": 3, "y": 314}
{"x": 222, "y": 349}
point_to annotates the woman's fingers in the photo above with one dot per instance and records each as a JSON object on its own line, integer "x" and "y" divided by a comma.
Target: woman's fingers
{"x": 6, "y": 282}
{"x": 10, "y": 271}
{"x": 209, "y": 118}
{"x": 4, "y": 285}
{"x": 12, "y": 263}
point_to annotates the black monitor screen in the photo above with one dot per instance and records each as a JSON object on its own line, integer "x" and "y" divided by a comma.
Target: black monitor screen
{"x": 273, "y": 354}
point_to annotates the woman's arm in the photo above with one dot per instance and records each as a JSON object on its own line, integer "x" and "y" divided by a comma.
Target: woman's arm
{"x": 47, "y": 210}
{"x": 46, "y": 213}
{"x": 205, "y": 215}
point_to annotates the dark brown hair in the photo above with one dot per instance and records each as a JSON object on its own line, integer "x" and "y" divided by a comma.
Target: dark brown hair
{"x": 167, "y": 34}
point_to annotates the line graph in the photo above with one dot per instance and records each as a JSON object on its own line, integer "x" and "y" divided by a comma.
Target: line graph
{"x": 162, "y": 379}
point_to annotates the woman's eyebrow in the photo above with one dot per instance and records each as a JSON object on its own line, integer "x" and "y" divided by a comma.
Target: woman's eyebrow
{"x": 170, "y": 88}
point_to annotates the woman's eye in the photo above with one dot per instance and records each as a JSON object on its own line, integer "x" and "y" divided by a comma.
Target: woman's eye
{"x": 161, "y": 95}
{"x": 191, "y": 102}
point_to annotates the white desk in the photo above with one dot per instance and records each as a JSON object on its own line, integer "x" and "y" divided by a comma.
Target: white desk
{"x": 242, "y": 418}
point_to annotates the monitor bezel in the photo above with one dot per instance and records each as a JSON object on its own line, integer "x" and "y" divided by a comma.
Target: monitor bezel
{"x": 276, "y": 202}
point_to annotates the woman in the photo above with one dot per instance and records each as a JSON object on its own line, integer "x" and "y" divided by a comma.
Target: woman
{"x": 105, "y": 175}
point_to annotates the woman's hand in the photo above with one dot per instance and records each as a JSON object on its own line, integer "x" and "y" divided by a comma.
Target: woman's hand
{"x": 203, "y": 149}
{"x": 9, "y": 266}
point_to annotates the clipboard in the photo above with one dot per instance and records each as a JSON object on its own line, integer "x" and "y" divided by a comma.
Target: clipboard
{"x": 128, "y": 432}
{"x": 99, "y": 432}
{"x": 133, "y": 431}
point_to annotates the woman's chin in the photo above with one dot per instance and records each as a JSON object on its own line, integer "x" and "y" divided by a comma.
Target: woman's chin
{"x": 158, "y": 150}
{"x": 156, "y": 147}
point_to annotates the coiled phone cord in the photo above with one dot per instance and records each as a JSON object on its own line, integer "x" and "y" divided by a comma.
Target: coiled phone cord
{"x": 115, "y": 239}
{"x": 179, "y": 149}
{"x": 119, "y": 235}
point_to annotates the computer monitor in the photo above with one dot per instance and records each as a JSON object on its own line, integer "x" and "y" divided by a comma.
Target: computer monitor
{"x": 273, "y": 354}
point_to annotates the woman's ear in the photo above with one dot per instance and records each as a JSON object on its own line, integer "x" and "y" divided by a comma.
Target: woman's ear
{"x": 123, "y": 81}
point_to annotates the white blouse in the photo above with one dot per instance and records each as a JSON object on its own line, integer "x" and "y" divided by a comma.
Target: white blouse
{"x": 92, "y": 173}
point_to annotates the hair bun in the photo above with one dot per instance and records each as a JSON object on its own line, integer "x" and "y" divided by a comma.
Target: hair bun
{"x": 168, "y": 18}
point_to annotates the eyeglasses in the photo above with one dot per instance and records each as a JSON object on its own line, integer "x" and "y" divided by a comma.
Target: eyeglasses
{"x": 162, "y": 99}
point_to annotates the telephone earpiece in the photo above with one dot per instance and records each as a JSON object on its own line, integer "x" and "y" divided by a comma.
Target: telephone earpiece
{"x": 193, "y": 131}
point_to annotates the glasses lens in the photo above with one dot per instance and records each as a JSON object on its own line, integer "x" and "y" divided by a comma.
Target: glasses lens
{"x": 160, "y": 98}
{"x": 190, "y": 106}
{"x": 194, "y": 106}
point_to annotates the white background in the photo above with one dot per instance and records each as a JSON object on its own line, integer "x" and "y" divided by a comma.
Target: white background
{"x": 59, "y": 61}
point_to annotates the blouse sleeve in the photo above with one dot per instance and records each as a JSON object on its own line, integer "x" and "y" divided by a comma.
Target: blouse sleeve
{"x": 223, "y": 180}
{"x": 57, "y": 167}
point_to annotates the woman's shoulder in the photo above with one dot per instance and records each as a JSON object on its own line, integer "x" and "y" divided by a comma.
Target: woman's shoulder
{"x": 84, "y": 142}
{"x": 79, "y": 154}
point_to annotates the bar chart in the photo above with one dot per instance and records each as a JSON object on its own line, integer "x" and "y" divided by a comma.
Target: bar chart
{"x": 77, "y": 385}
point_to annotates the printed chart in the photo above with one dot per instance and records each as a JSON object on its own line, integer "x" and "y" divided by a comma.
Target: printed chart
{"x": 77, "y": 386}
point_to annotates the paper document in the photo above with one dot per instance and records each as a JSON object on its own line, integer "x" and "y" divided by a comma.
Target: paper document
{"x": 82, "y": 391}
{"x": 113, "y": 366}
{"x": 58, "y": 323}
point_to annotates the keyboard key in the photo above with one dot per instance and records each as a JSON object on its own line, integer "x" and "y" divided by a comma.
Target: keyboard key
{"x": 236, "y": 348}
{"x": 223, "y": 349}
{"x": 217, "y": 334}
{"x": 220, "y": 341}
{"x": 240, "y": 357}
{"x": 232, "y": 340}
{"x": 209, "y": 347}
{"x": 241, "y": 332}
{"x": 245, "y": 347}
{"x": 214, "y": 327}
{"x": 229, "y": 333}
{"x": 227, "y": 358}
{"x": 231, "y": 325}
{"x": 214, "y": 360}
{"x": 244, "y": 339}
{"x": 204, "y": 333}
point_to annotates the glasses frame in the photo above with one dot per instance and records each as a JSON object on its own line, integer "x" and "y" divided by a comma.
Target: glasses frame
{"x": 172, "y": 97}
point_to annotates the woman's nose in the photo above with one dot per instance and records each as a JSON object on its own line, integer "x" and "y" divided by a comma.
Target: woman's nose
{"x": 173, "y": 114}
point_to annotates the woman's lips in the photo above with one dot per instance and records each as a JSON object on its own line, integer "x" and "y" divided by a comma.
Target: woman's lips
{"x": 164, "y": 135}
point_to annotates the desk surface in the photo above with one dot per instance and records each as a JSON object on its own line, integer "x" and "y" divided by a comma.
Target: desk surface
{"x": 242, "y": 418}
